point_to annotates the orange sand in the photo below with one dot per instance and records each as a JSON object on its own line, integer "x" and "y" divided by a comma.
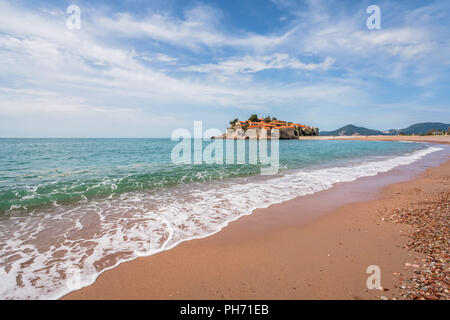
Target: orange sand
{"x": 435, "y": 139}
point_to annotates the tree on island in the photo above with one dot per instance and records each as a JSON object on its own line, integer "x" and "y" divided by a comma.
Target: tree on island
{"x": 233, "y": 122}
{"x": 253, "y": 118}
{"x": 267, "y": 119}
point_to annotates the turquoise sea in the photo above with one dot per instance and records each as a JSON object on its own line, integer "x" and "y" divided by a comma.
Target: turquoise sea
{"x": 72, "y": 208}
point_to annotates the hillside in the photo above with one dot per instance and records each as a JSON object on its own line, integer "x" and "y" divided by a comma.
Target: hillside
{"x": 417, "y": 129}
{"x": 351, "y": 130}
{"x": 423, "y": 128}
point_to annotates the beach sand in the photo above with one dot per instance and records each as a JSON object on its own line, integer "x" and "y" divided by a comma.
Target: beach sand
{"x": 312, "y": 247}
{"x": 433, "y": 139}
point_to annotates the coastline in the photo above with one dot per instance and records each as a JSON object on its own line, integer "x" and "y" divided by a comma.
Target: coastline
{"x": 431, "y": 139}
{"x": 311, "y": 247}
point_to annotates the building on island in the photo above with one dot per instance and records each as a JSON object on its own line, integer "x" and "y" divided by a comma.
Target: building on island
{"x": 266, "y": 128}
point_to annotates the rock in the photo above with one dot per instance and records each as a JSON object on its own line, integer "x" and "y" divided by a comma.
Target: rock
{"x": 252, "y": 134}
{"x": 428, "y": 224}
{"x": 287, "y": 133}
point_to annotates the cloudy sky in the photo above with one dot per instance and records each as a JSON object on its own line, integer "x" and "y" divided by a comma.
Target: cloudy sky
{"x": 140, "y": 68}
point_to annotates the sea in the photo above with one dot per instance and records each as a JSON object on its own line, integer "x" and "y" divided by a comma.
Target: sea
{"x": 71, "y": 209}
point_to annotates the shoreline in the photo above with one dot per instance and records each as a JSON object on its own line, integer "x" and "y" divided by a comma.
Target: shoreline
{"x": 281, "y": 252}
{"x": 443, "y": 139}
{"x": 431, "y": 139}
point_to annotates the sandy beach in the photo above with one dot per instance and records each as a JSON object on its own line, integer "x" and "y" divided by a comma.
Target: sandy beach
{"x": 432, "y": 139}
{"x": 312, "y": 247}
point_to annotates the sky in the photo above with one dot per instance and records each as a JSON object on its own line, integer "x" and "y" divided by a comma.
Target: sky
{"x": 140, "y": 68}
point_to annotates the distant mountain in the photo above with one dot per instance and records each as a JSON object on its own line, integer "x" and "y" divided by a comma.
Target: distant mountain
{"x": 418, "y": 128}
{"x": 422, "y": 128}
{"x": 352, "y": 130}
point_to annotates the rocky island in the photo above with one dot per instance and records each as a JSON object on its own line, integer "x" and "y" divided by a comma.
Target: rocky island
{"x": 265, "y": 129}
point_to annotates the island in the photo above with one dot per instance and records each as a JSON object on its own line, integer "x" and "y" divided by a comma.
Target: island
{"x": 267, "y": 128}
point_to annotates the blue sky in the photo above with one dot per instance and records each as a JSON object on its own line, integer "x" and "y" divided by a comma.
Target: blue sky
{"x": 144, "y": 68}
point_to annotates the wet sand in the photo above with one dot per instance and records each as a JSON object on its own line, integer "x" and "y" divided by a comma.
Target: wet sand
{"x": 312, "y": 247}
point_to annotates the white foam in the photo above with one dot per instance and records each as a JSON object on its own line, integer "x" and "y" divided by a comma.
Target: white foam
{"x": 39, "y": 254}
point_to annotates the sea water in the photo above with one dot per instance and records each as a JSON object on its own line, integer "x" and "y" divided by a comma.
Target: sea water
{"x": 73, "y": 208}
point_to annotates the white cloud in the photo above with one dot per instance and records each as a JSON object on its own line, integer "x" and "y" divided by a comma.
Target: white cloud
{"x": 161, "y": 57}
{"x": 165, "y": 58}
{"x": 78, "y": 63}
{"x": 250, "y": 64}
{"x": 199, "y": 27}
{"x": 42, "y": 102}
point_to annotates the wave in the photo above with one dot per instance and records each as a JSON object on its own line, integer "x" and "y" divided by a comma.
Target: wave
{"x": 53, "y": 253}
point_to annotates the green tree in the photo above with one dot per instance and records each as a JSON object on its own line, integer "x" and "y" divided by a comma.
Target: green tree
{"x": 233, "y": 122}
{"x": 253, "y": 118}
{"x": 267, "y": 119}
